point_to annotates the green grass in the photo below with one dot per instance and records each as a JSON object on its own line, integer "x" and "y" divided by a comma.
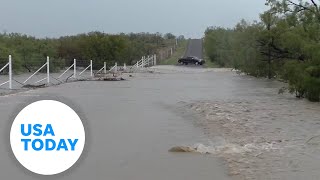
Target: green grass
{"x": 209, "y": 63}
{"x": 173, "y": 60}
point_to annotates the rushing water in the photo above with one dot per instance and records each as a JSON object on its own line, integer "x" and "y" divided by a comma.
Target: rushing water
{"x": 132, "y": 125}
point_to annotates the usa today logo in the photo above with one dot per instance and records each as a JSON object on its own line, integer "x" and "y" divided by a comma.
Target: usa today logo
{"x": 47, "y": 137}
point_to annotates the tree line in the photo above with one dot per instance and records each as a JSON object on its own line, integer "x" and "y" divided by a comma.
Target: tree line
{"x": 30, "y": 52}
{"x": 283, "y": 44}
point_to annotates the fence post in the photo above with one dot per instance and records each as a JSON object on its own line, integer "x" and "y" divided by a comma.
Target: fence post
{"x": 151, "y": 60}
{"x": 116, "y": 67}
{"x": 91, "y": 72}
{"x": 74, "y": 68}
{"x": 138, "y": 62}
{"x": 48, "y": 70}
{"x": 171, "y": 52}
{"x": 105, "y": 68}
{"x": 155, "y": 60}
{"x": 143, "y": 61}
{"x": 124, "y": 66}
{"x": 10, "y": 72}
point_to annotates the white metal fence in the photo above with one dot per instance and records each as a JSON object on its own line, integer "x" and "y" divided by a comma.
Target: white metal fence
{"x": 144, "y": 62}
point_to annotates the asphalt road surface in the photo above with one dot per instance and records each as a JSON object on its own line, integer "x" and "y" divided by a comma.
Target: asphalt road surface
{"x": 194, "y": 48}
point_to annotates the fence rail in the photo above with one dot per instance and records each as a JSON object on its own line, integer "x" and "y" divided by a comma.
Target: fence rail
{"x": 74, "y": 66}
{"x": 90, "y": 66}
{"x": 104, "y": 68}
{"x": 114, "y": 68}
{"x": 47, "y": 64}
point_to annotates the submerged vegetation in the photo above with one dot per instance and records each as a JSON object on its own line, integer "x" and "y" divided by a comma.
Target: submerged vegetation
{"x": 284, "y": 44}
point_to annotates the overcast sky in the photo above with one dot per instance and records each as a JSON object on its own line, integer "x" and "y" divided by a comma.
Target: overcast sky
{"x": 53, "y": 18}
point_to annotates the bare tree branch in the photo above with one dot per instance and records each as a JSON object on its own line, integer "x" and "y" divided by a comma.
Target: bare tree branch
{"x": 315, "y": 5}
{"x": 299, "y": 5}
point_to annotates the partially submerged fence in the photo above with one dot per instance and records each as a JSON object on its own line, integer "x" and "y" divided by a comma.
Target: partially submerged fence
{"x": 146, "y": 62}
{"x": 45, "y": 68}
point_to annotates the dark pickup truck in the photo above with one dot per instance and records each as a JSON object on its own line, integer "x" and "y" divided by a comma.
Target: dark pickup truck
{"x": 191, "y": 60}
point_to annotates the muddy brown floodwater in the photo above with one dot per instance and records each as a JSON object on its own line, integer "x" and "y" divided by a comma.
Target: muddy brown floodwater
{"x": 250, "y": 131}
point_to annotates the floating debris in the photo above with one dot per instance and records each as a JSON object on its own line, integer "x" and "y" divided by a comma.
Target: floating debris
{"x": 197, "y": 148}
{"x": 182, "y": 149}
{"x": 113, "y": 79}
{"x": 34, "y": 86}
{"x": 108, "y": 77}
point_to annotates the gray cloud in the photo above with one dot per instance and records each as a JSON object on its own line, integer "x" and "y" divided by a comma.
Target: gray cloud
{"x": 43, "y": 18}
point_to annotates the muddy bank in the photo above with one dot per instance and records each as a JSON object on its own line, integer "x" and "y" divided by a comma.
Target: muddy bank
{"x": 263, "y": 139}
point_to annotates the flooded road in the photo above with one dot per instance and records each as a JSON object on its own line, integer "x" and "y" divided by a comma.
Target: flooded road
{"x": 131, "y": 128}
{"x": 132, "y": 125}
